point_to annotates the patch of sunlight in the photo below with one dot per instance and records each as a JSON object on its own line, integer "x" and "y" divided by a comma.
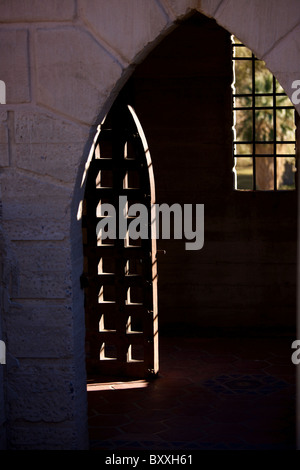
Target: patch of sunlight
{"x": 100, "y": 386}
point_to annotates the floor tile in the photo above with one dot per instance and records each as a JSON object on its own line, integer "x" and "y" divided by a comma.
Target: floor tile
{"x": 210, "y": 394}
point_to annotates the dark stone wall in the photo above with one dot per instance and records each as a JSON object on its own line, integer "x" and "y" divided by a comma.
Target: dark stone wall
{"x": 245, "y": 275}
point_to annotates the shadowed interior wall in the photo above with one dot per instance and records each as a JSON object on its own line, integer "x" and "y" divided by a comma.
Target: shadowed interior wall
{"x": 245, "y": 275}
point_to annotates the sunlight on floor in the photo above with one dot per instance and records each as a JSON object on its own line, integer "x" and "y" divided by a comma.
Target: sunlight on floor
{"x": 94, "y": 387}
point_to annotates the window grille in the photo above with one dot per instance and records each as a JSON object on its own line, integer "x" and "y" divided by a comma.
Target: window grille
{"x": 264, "y": 126}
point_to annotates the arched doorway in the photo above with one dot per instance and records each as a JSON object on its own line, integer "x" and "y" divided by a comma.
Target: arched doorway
{"x": 232, "y": 288}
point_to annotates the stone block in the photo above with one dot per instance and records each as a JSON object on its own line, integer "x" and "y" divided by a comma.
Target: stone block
{"x": 126, "y": 26}
{"x": 2, "y": 403}
{"x": 42, "y": 267}
{"x": 14, "y": 65}
{"x": 42, "y": 437}
{"x": 75, "y": 75}
{"x": 38, "y": 127}
{"x": 59, "y": 161}
{"x": 41, "y": 329}
{"x": 35, "y": 10}
{"x": 48, "y": 145}
{"x": 47, "y": 393}
{"x": 42, "y": 285}
{"x": 35, "y": 229}
{"x": 42, "y": 256}
{"x": 259, "y": 24}
{"x": 27, "y": 197}
{"x": 4, "y": 155}
{"x": 2, "y": 421}
{"x": 3, "y": 127}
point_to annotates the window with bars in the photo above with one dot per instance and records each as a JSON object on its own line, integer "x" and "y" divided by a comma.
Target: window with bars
{"x": 264, "y": 126}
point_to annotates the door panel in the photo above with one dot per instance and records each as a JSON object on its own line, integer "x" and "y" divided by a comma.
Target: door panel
{"x": 120, "y": 272}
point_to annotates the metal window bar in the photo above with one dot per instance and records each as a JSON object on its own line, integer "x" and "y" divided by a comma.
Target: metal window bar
{"x": 274, "y": 94}
{"x": 275, "y": 133}
{"x": 253, "y": 123}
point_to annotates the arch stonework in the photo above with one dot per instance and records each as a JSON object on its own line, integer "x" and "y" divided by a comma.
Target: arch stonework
{"x": 63, "y": 66}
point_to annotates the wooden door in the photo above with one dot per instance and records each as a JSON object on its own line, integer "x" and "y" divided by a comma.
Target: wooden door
{"x": 120, "y": 273}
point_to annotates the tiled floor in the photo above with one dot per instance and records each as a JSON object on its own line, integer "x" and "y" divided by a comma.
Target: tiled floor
{"x": 210, "y": 394}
